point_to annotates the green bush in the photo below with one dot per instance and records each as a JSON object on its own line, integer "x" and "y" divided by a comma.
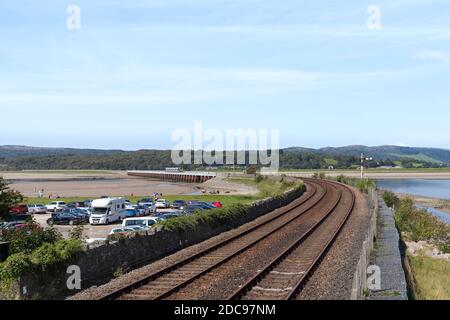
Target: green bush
{"x": 418, "y": 225}
{"x": 320, "y": 175}
{"x": 213, "y": 217}
{"x": 14, "y": 266}
{"x": 364, "y": 185}
{"x": 29, "y": 238}
{"x": 390, "y": 199}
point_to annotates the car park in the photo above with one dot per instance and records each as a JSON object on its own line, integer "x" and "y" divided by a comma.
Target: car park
{"x": 65, "y": 218}
{"x": 37, "y": 209}
{"x": 55, "y": 206}
{"x": 162, "y": 204}
{"x": 179, "y": 204}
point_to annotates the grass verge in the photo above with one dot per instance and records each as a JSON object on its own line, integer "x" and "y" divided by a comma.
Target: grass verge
{"x": 431, "y": 276}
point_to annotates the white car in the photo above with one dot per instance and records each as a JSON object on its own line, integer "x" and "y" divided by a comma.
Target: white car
{"x": 37, "y": 209}
{"x": 122, "y": 231}
{"x": 162, "y": 204}
{"x": 55, "y": 206}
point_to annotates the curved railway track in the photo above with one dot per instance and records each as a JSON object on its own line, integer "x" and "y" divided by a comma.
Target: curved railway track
{"x": 316, "y": 214}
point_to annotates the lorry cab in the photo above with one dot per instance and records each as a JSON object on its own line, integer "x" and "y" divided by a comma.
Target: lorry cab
{"x": 108, "y": 210}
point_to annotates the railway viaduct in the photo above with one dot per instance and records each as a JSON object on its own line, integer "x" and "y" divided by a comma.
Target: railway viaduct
{"x": 187, "y": 177}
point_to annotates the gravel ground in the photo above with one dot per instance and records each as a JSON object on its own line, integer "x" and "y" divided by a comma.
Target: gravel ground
{"x": 333, "y": 279}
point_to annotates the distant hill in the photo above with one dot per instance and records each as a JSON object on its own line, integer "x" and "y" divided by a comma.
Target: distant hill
{"x": 34, "y": 158}
{"x": 386, "y": 152}
{"x": 25, "y": 151}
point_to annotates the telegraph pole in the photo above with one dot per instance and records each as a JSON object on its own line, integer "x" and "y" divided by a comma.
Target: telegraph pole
{"x": 363, "y": 158}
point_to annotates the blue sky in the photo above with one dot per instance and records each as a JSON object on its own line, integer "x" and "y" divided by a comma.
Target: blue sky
{"x": 137, "y": 70}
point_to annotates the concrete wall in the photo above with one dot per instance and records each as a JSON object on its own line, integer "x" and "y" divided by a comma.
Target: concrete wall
{"x": 98, "y": 265}
{"x": 360, "y": 278}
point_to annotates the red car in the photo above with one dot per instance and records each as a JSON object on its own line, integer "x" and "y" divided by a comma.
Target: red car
{"x": 20, "y": 209}
{"x": 217, "y": 204}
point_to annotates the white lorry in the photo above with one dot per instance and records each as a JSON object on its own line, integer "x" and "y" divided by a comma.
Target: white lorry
{"x": 108, "y": 210}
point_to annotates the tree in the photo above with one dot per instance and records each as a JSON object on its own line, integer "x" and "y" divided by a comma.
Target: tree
{"x": 8, "y": 198}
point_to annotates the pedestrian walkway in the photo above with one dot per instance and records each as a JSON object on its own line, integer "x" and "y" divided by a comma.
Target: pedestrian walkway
{"x": 387, "y": 257}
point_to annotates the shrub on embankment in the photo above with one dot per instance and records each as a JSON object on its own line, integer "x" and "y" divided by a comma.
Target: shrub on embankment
{"x": 228, "y": 215}
{"x": 363, "y": 185}
{"x": 418, "y": 225}
{"x": 34, "y": 251}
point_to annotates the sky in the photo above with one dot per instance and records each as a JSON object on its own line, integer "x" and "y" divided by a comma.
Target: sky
{"x": 137, "y": 70}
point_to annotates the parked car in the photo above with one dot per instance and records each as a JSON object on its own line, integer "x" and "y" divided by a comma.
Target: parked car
{"x": 65, "y": 218}
{"x": 87, "y": 203}
{"x": 140, "y": 229}
{"x": 143, "y": 222}
{"x": 162, "y": 204}
{"x": 204, "y": 205}
{"x": 145, "y": 200}
{"x": 148, "y": 208}
{"x": 19, "y": 209}
{"x": 22, "y": 225}
{"x": 55, "y": 206}
{"x": 14, "y": 225}
{"x": 77, "y": 204}
{"x": 217, "y": 204}
{"x": 168, "y": 216}
{"x": 191, "y": 209}
{"x": 80, "y": 212}
{"x": 37, "y": 209}
{"x": 179, "y": 204}
{"x": 132, "y": 212}
{"x": 121, "y": 231}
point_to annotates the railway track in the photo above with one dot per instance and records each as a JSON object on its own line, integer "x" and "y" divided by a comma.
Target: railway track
{"x": 285, "y": 276}
{"x": 311, "y": 212}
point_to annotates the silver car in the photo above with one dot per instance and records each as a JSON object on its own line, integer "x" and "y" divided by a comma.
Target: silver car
{"x": 37, "y": 209}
